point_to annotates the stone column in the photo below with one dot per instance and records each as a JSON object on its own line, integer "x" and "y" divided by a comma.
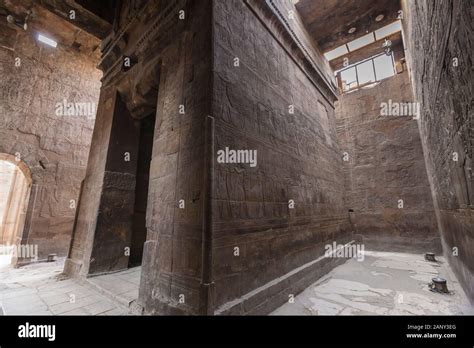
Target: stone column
{"x": 80, "y": 254}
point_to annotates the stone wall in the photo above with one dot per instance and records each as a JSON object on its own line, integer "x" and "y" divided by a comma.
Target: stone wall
{"x": 175, "y": 252}
{"x": 188, "y": 264}
{"x": 55, "y": 148}
{"x": 170, "y": 76}
{"x": 439, "y": 36}
{"x": 384, "y": 164}
{"x": 258, "y": 238}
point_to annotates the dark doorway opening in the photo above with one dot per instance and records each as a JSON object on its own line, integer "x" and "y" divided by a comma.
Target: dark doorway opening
{"x": 145, "y": 148}
{"x": 121, "y": 222}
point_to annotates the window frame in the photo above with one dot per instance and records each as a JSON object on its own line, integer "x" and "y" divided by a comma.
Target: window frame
{"x": 354, "y": 66}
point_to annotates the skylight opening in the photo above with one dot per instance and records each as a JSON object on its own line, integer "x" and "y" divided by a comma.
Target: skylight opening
{"x": 361, "y": 42}
{"x": 337, "y": 52}
{"x": 364, "y": 40}
{"x": 388, "y": 30}
{"x": 46, "y": 40}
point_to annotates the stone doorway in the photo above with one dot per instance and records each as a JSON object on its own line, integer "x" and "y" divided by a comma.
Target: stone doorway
{"x": 15, "y": 185}
{"x": 121, "y": 226}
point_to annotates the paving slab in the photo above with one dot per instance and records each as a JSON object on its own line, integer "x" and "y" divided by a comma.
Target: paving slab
{"x": 382, "y": 283}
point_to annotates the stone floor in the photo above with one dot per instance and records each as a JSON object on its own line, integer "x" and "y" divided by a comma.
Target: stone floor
{"x": 39, "y": 289}
{"x": 121, "y": 286}
{"x": 381, "y": 284}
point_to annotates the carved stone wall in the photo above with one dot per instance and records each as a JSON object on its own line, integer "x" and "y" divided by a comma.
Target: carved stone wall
{"x": 270, "y": 96}
{"x": 384, "y": 164}
{"x": 440, "y": 60}
{"x": 55, "y": 146}
{"x": 188, "y": 264}
{"x": 169, "y": 75}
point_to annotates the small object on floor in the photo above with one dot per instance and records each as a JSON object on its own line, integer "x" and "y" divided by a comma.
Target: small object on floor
{"x": 439, "y": 285}
{"x": 430, "y": 257}
{"x": 51, "y": 258}
{"x": 135, "y": 308}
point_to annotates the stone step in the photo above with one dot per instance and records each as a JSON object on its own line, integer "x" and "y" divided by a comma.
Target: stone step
{"x": 120, "y": 300}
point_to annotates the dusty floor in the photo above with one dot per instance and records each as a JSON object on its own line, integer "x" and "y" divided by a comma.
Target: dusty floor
{"x": 37, "y": 289}
{"x": 382, "y": 284}
{"x": 121, "y": 286}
